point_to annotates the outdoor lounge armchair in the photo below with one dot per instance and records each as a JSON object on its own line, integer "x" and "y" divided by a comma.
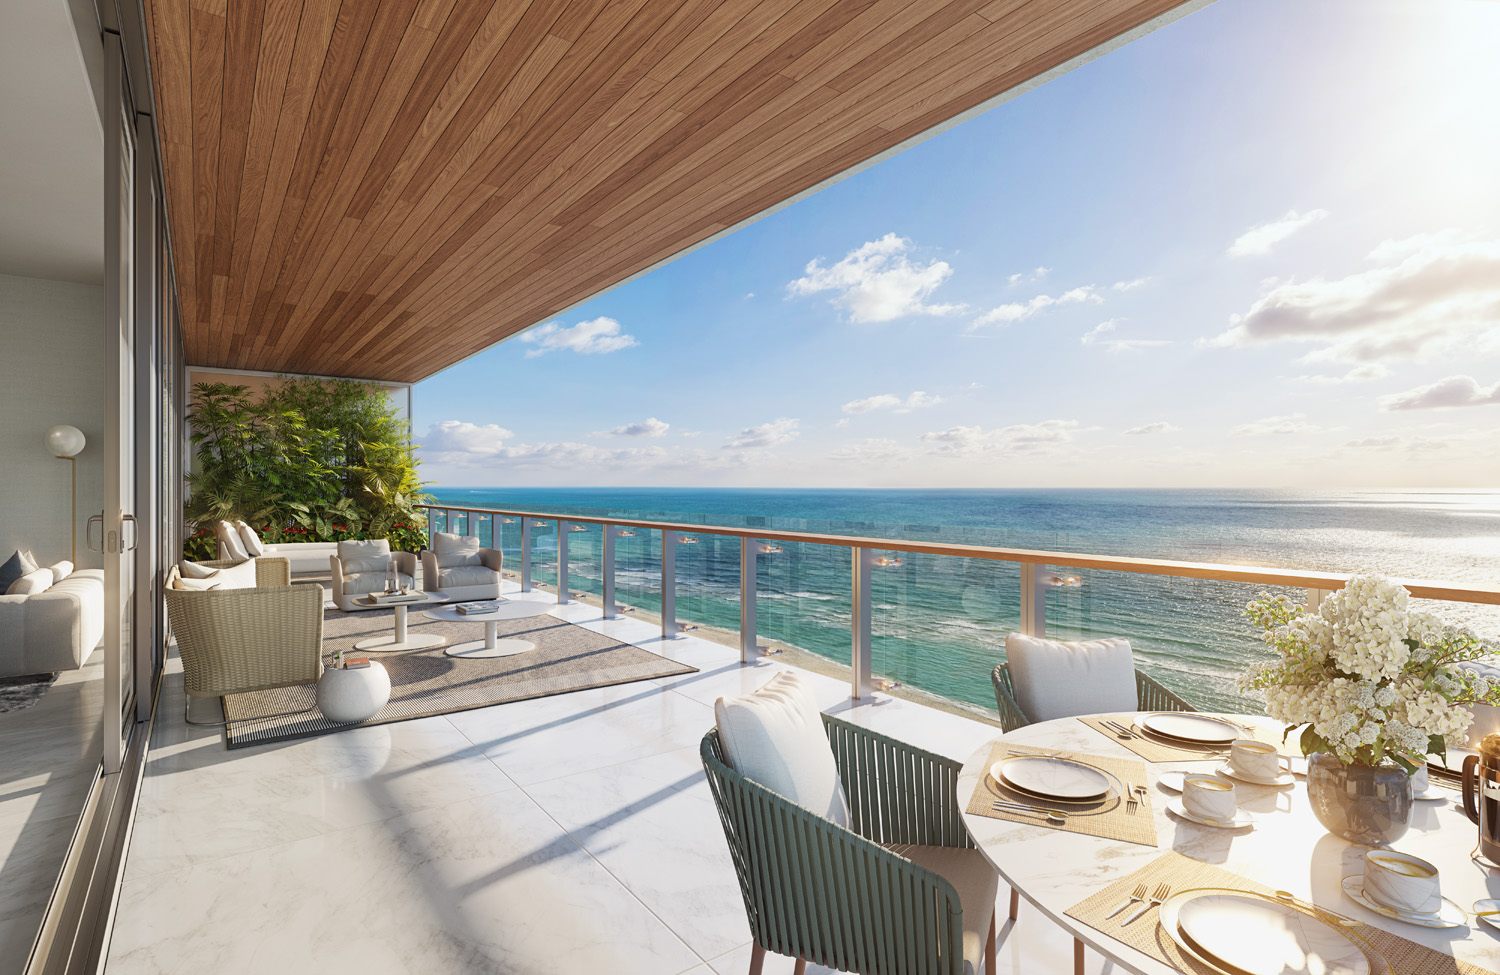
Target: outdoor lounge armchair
{"x": 236, "y": 640}
{"x": 457, "y": 566}
{"x": 358, "y": 568}
{"x": 1150, "y": 696}
{"x": 868, "y": 898}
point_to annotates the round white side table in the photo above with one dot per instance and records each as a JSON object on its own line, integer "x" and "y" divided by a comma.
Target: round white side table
{"x": 400, "y": 638}
{"x": 350, "y": 696}
{"x": 490, "y": 646}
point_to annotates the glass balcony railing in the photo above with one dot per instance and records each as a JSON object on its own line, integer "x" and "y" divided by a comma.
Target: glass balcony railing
{"x": 916, "y": 609}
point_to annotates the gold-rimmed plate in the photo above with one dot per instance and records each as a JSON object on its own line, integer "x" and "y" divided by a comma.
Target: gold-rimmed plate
{"x": 1190, "y": 727}
{"x": 1242, "y": 933}
{"x": 1061, "y": 779}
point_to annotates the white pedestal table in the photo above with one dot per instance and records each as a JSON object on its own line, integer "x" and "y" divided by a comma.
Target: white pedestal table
{"x": 491, "y": 645}
{"x": 400, "y": 638}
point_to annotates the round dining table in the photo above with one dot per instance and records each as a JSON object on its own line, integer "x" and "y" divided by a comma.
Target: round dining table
{"x": 1286, "y": 849}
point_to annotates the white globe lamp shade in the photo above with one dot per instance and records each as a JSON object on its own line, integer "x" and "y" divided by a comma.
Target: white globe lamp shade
{"x": 64, "y": 441}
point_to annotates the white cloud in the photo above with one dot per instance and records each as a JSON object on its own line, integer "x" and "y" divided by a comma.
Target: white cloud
{"x": 649, "y": 427}
{"x": 1160, "y": 426}
{"x": 869, "y": 451}
{"x": 461, "y": 444}
{"x": 765, "y": 435}
{"x": 1429, "y": 295}
{"x": 463, "y": 439}
{"x": 593, "y": 337}
{"x": 1035, "y": 275}
{"x": 915, "y": 401}
{"x": 1130, "y": 285}
{"x": 690, "y": 433}
{"x": 876, "y": 282}
{"x": 1369, "y": 372}
{"x": 1017, "y": 438}
{"x": 1447, "y": 393}
{"x": 1275, "y": 426}
{"x": 1374, "y": 443}
{"x": 1095, "y": 336}
{"x": 1016, "y": 311}
{"x": 1259, "y": 240}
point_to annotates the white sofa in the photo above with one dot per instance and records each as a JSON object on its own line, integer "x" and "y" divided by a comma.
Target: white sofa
{"x": 55, "y": 629}
{"x": 307, "y": 560}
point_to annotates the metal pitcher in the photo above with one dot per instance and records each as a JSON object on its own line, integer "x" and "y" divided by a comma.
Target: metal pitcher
{"x": 1481, "y": 791}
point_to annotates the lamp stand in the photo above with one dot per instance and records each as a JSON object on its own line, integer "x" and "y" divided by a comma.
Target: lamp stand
{"x": 73, "y": 511}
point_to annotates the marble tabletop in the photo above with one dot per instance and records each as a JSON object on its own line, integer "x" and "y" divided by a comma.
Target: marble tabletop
{"x": 1287, "y": 850}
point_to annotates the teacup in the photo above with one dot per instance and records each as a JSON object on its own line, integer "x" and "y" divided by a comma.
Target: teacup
{"x": 1209, "y": 797}
{"x": 1419, "y": 780}
{"x": 1255, "y": 759}
{"x": 1402, "y": 882}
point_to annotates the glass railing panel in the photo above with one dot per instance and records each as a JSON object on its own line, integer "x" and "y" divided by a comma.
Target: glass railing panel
{"x": 708, "y": 587}
{"x": 458, "y": 522}
{"x": 543, "y": 554}
{"x": 585, "y": 562}
{"x": 802, "y": 603}
{"x": 638, "y": 573}
{"x": 938, "y": 623}
{"x": 505, "y": 535}
{"x": 484, "y": 527}
{"x": 438, "y": 519}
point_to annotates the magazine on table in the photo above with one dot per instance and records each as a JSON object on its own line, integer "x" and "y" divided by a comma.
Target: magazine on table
{"x": 468, "y": 609}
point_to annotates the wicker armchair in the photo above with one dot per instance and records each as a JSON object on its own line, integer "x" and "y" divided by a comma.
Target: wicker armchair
{"x": 237, "y": 640}
{"x": 1150, "y": 696}
{"x": 847, "y": 898}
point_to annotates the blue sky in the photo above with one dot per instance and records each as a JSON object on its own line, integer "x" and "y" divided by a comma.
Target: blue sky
{"x": 1258, "y": 247}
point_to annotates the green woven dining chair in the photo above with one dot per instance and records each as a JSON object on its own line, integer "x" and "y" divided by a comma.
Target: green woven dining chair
{"x": 1150, "y": 696}
{"x": 902, "y": 891}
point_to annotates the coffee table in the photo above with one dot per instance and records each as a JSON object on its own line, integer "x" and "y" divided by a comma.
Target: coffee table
{"x": 490, "y": 646}
{"x": 400, "y": 639}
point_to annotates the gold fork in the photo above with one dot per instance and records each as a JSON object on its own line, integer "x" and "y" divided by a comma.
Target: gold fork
{"x": 1135, "y": 898}
{"x": 1158, "y": 898}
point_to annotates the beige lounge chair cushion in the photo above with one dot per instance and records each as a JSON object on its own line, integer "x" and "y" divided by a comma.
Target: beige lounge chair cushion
{"x": 240, "y": 576}
{"x": 1059, "y": 679}
{"x": 359, "y": 583}
{"x": 455, "y": 550}
{"x": 467, "y": 575}
{"x": 250, "y": 539}
{"x": 977, "y": 883}
{"x": 60, "y": 570}
{"x": 775, "y": 737}
{"x": 231, "y": 546}
{"x": 370, "y": 555}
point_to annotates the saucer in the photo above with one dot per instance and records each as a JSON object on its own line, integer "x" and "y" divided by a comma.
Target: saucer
{"x": 1431, "y": 795}
{"x": 1450, "y": 915}
{"x": 1171, "y": 781}
{"x": 1281, "y": 781}
{"x": 1488, "y": 905}
{"x": 1241, "y": 820}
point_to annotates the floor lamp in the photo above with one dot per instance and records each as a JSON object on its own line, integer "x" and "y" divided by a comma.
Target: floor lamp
{"x": 66, "y": 442}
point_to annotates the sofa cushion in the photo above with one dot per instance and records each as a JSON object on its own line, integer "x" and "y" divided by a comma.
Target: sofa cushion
{"x": 775, "y": 737}
{"x": 33, "y": 582}
{"x": 467, "y": 575}
{"x": 60, "y": 570}
{"x": 15, "y": 567}
{"x": 370, "y": 555}
{"x": 455, "y": 550}
{"x": 240, "y": 576}
{"x": 231, "y": 546}
{"x": 1059, "y": 679}
{"x": 250, "y": 540}
{"x": 975, "y": 881}
{"x": 194, "y": 570}
{"x": 359, "y": 583}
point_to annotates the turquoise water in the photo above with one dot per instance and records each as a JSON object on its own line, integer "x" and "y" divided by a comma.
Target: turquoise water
{"x": 940, "y": 622}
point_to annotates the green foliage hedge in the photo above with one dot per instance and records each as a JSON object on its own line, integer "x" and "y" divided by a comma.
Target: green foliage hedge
{"x": 313, "y": 460}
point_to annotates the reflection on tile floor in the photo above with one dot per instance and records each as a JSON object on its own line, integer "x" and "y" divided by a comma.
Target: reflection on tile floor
{"x": 569, "y": 833}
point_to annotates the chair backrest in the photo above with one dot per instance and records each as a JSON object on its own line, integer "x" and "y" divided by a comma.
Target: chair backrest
{"x": 367, "y": 555}
{"x": 453, "y": 551}
{"x": 1061, "y": 679}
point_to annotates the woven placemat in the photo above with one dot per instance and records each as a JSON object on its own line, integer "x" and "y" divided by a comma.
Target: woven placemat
{"x": 1109, "y": 819}
{"x": 1184, "y": 873}
{"x": 1154, "y": 750}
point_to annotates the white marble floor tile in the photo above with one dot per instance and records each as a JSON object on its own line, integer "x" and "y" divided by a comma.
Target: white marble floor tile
{"x": 653, "y": 825}
{"x": 200, "y": 801}
{"x": 549, "y": 737}
{"x": 489, "y": 884}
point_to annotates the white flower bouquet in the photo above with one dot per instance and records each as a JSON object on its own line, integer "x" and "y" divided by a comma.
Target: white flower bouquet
{"x": 1366, "y": 678}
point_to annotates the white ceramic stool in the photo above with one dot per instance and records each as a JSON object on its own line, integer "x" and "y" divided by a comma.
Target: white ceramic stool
{"x": 351, "y": 696}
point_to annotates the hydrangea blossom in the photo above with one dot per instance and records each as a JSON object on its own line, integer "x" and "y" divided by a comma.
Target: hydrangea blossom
{"x": 1369, "y": 679}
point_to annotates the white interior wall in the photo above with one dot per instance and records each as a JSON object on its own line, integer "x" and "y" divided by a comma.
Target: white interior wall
{"x": 52, "y": 370}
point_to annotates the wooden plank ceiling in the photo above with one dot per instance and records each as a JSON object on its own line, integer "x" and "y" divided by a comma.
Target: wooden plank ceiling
{"x": 379, "y": 188}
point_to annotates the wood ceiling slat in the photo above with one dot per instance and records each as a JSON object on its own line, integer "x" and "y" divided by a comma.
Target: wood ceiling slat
{"x": 383, "y": 187}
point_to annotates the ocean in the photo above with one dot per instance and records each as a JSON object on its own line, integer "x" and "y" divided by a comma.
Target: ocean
{"x": 939, "y": 622}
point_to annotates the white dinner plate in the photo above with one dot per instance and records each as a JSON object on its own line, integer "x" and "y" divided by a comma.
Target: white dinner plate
{"x": 1450, "y": 915}
{"x": 1171, "y": 781}
{"x": 1259, "y": 936}
{"x": 1051, "y": 778}
{"x": 1198, "y": 729}
{"x": 1241, "y": 820}
{"x": 1480, "y": 907}
{"x": 1281, "y": 781}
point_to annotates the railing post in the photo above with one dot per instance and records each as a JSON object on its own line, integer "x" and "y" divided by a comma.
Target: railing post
{"x": 562, "y": 562}
{"x": 668, "y": 584}
{"x": 1033, "y": 600}
{"x": 607, "y": 558}
{"x": 861, "y": 657}
{"x": 748, "y": 548}
{"x": 471, "y": 524}
{"x": 526, "y": 555}
{"x": 1315, "y": 599}
{"x": 431, "y": 525}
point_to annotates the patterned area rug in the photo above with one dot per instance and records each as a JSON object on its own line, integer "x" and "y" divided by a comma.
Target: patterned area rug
{"x": 22, "y": 692}
{"x": 427, "y": 682}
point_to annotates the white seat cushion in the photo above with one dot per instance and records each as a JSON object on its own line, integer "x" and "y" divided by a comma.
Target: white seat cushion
{"x": 455, "y": 550}
{"x": 250, "y": 540}
{"x": 976, "y": 882}
{"x": 775, "y": 737}
{"x": 359, "y": 583}
{"x": 1057, "y": 679}
{"x": 240, "y": 576}
{"x": 467, "y": 575}
{"x": 33, "y": 582}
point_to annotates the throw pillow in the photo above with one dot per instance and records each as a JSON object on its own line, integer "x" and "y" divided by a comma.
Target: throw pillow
{"x": 248, "y": 537}
{"x": 33, "y": 582}
{"x": 196, "y": 570}
{"x": 230, "y": 544}
{"x": 1057, "y": 679}
{"x": 15, "y": 567}
{"x": 454, "y": 550}
{"x": 240, "y": 576}
{"x": 184, "y": 583}
{"x": 370, "y": 555}
{"x": 60, "y": 570}
{"x": 775, "y": 736}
